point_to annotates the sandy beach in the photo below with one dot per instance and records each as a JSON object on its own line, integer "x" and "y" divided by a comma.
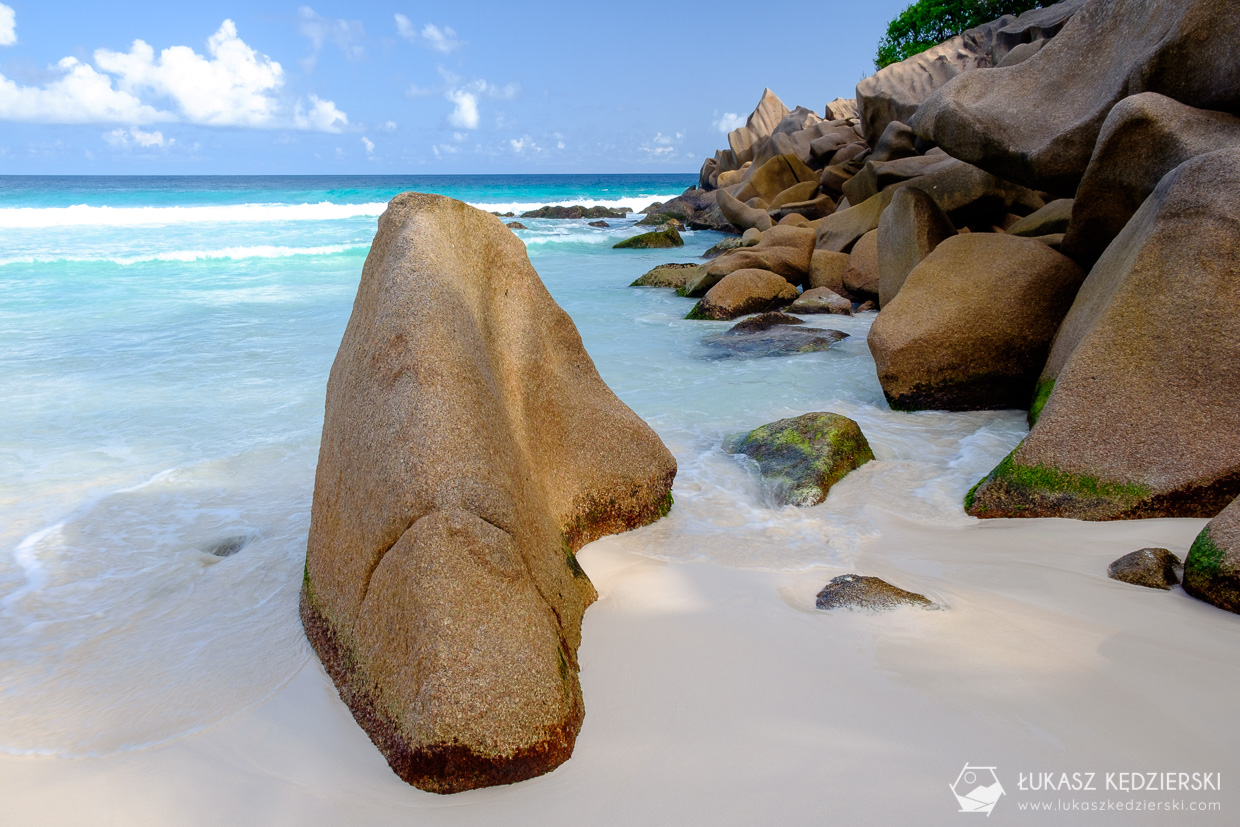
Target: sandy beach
{"x": 720, "y": 696}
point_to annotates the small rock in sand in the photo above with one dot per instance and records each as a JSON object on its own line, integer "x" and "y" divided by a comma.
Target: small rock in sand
{"x": 857, "y": 591}
{"x": 1154, "y": 568}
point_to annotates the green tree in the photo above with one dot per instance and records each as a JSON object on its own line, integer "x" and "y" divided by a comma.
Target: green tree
{"x": 928, "y": 23}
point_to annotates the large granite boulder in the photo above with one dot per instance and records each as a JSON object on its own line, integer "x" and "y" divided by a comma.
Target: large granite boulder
{"x": 743, "y": 292}
{"x": 785, "y": 250}
{"x": 469, "y": 449}
{"x": 1212, "y": 568}
{"x": 1137, "y": 412}
{"x": 805, "y": 455}
{"x": 1037, "y": 122}
{"x": 777, "y": 175}
{"x": 826, "y": 269}
{"x": 895, "y": 92}
{"x": 861, "y": 277}
{"x": 908, "y": 231}
{"x": 971, "y": 326}
{"x": 761, "y": 123}
{"x": 1142, "y": 139}
{"x": 741, "y": 215}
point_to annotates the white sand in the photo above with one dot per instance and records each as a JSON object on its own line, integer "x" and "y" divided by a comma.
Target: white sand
{"x": 720, "y": 696}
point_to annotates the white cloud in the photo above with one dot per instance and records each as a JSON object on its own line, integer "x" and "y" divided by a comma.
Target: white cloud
{"x": 323, "y": 116}
{"x": 388, "y": 126}
{"x": 80, "y": 95}
{"x": 523, "y": 145}
{"x": 443, "y": 40}
{"x": 8, "y": 26}
{"x": 345, "y": 34}
{"x": 133, "y": 135}
{"x": 728, "y": 121}
{"x": 559, "y": 144}
{"x": 369, "y": 144}
{"x": 234, "y": 86}
{"x": 465, "y": 115}
{"x": 415, "y": 91}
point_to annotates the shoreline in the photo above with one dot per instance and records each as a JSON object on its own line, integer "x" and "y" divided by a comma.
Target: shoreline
{"x": 717, "y": 694}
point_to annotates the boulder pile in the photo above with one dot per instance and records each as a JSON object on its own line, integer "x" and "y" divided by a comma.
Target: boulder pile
{"x": 1046, "y": 211}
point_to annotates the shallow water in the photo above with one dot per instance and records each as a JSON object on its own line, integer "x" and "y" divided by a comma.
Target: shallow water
{"x": 164, "y": 348}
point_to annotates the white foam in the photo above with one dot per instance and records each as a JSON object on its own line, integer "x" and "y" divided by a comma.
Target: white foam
{"x": 634, "y": 203}
{"x": 83, "y": 215}
{"x": 259, "y": 251}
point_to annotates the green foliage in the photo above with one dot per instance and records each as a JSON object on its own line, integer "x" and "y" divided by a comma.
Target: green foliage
{"x": 927, "y": 23}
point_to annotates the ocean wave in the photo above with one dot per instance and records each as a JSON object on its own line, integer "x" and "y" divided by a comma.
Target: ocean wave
{"x": 636, "y": 202}
{"x": 261, "y": 251}
{"x": 83, "y": 215}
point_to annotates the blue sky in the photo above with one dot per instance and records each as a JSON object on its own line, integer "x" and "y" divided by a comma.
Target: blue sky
{"x": 223, "y": 87}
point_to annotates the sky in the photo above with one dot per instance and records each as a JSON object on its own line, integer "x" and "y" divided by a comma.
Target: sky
{"x": 222, "y": 87}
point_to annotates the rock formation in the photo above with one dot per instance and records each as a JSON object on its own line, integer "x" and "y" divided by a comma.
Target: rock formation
{"x": 1134, "y": 418}
{"x": 469, "y": 449}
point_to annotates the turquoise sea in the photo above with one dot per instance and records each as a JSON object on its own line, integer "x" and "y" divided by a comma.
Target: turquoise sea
{"x": 164, "y": 349}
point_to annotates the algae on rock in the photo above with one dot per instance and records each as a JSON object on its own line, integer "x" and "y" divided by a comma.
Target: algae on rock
{"x": 807, "y": 454}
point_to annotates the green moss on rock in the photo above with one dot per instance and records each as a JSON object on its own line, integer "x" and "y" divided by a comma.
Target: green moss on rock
{"x": 1016, "y": 490}
{"x": 806, "y": 455}
{"x": 1041, "y": 393}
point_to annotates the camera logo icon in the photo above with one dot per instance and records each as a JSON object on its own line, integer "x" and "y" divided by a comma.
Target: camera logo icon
{"x": 977, "y": 789}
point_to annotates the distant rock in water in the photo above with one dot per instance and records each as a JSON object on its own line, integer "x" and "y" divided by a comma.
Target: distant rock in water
{"x": 1154, "y": 568}
{"x": 516, "y": 225}
{"x": 577, "y": 211}
{"x": 469, "y": 449}
{"x": 666, "y": 275}
{"x": 649, "y": 241}
{"x": 805, "y": 455}
{"x": 857, "y": 591}
{"x": 509, "y": 214}
{"x": 603, "y": 225}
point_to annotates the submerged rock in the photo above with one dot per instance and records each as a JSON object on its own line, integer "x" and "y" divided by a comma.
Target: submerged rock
{"x": 805, "y": 455}
{"x": 858, "y": 591}
{"x": 516, "y": 225}
{"x": 469, "y": 449}
{"x": 1212, "y": 569}
{"x": 603, "y": 225}
{"x": 1153, "y": 568}
{"x": 650, "y": 241}
{"x": 770, "y": 334}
